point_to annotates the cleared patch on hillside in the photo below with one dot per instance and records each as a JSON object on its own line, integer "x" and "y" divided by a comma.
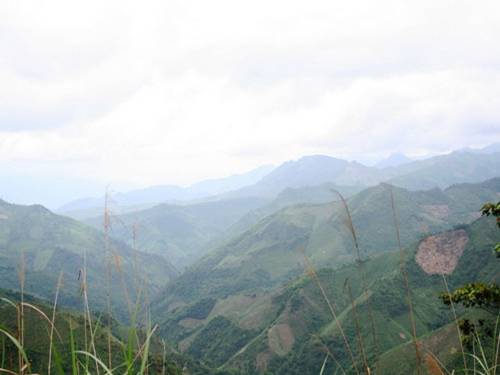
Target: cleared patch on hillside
{"x": 3, "y": 217}
{"x": 438, "y": 211}
{"x": 280, "y": 339}
{"x": 184, "y": 345}
{"x": 190, "y": 322}
{"x": 442, "y": 343}
{"x": 262, "y": 361}
{"x": 439, "y": 254}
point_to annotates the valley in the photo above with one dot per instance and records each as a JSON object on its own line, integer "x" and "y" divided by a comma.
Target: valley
{"x": 281, "y": 281}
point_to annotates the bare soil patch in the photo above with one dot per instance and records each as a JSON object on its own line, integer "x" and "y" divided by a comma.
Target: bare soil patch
{"x": 280, "y": 339}
{"x": 439, "y": 211}
{"x": 439, "y": 254}
{"x": 262, "y": 361}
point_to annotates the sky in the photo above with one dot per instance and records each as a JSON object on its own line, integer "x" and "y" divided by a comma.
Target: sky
{"x": 136, "y": 93}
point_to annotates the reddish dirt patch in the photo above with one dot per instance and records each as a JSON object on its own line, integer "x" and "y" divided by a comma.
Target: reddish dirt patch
{"x": 262, "y": 361}
{"x": 280, "y": 339}
{"x": 439, "y": 211}
{"x": 439, "y": 254}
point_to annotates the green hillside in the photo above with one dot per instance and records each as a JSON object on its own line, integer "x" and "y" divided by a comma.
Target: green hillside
{"x": 286, "y": 331}
{"x": 438, "y": 171}
{"x": 270, "y": 252}
{"x": 323, "y": 193}
{"x": 224, "y": 308}
{"x": 50, "y": 243}
{"x": 442, "y": 171}
{"x": 179, "y": 233}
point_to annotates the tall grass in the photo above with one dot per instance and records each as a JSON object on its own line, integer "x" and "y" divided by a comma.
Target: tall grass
{"x": 106, "y": 225}
{"x": 88, "y": 353}
{"x": 404, "y": 274}
{"x": 456, "y": 322}
{"x": 357, "y": 326}
{"x": 481, "y": 363}
{"x": 360, "y": 263}
{"x": 313, "y": 274}
{"x": 135, "y": 347}
{"x": 85, "y": 358}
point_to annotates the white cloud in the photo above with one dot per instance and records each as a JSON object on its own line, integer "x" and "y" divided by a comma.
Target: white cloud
{"x": 172, "y": 92}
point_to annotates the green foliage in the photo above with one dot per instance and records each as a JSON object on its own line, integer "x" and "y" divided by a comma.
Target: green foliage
{"x": 476, "y": 294}
{"x": 301, "y": 306}
{"x": 269, "y": 253}
{"x": 199, "y": 310}
{"x": 50, "y": 243}
{"x": 218, "y": 341}
{"x": 77, "y": 349}
{"x": 179, "y": 233}
{"x": 493, "y": 209}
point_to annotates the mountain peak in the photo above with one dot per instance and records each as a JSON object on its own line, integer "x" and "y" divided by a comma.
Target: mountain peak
{"x": 393, "y": 160}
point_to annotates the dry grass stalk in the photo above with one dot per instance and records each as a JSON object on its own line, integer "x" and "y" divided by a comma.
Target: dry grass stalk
{"x": 20, "y": 315}
{"x": 433, "y": 367}
{"x": 106, "y": 227}
{"x": 119, "y": 269}
{"x": 455, "y": 318}
{"x": 350, "y": 226}
{"x": 135, "y": 229}
{"x": 402, "y": 263}
{"x": 87, "y": 315}
{"x": 497, "y": 350}
{"x": 327, "y": 349}
{"x": 59, "y": 284}
{"x": 358, "y": 330}
{"x": 312, "y": 272}
{"x": 164, "y": 357}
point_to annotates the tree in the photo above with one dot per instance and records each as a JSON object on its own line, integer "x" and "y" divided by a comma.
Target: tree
{"x": 493, "y": 209}
{"x": 477, "y": 294}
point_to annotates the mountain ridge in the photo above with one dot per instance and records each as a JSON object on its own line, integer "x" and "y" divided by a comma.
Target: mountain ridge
{"x": 44, "y": 244}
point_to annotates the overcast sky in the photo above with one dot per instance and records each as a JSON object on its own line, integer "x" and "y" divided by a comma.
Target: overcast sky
{"x": 150, "y": 92}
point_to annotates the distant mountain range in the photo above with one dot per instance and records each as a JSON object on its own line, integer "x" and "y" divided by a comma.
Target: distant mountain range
{"x": 184, "y": 232}
{"x": 439, "y": 171}
{"x": 490, "y": 149}
{"x": 468, "y": 165}
{"x": 166, "y": 193}
{"x": 394, "y": 160}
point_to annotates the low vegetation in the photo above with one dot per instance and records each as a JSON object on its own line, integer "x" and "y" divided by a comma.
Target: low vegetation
{"x": 404, "y": 288}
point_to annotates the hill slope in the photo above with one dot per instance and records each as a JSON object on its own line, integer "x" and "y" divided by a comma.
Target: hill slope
{"x": 270, "y": 252}
{"x": 446, "y": 170}
{"x": 439, "y": 171}
{"x": 232, "y": 298}
{"x": 286, "y": 331}
{"x": 51, "y": 243}
{"x": 179, "y": 233}
{"x": 323, "y": 193}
